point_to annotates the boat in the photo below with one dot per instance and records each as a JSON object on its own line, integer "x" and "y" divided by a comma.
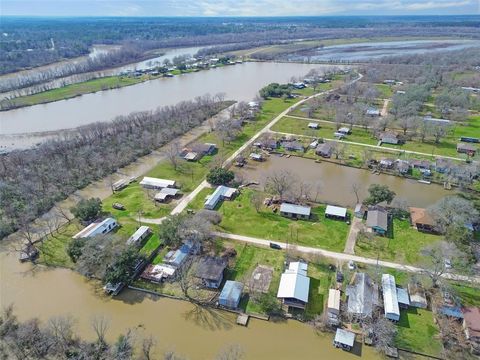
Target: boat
{"x": 424, "y": 182}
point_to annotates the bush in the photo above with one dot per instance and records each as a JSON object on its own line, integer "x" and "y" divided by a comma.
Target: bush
{"x": 220, "y": 176}
{"x": 87, "y": 209}
{"x": 275, "y": 90}
{"x": 75, "y": 248}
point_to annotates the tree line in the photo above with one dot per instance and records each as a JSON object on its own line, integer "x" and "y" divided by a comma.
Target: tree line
{"x": 31, "y": 181}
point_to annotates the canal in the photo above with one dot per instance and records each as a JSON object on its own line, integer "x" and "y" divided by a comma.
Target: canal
{"x": 335, "y": 182}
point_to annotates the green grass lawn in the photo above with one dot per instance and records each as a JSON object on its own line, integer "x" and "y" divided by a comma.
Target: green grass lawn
{"x": 53, "y": 249}
{"x": 385, "y": 91}
{"x": 468, "y": 294}
{"x": 240, "y": 217}
{"x": 136, "y": 201}
{"x": 403, "y": 247}
{"x": 69, "y": 91}
{"x": 418, "y": 332}
{"x": 321, "y": 279}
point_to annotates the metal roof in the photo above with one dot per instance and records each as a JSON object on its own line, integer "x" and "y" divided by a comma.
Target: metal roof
{"x": 232, "y": 291}
{"x": 377, "y": 218}
{"x": 97, "y": 228}
{"x": 219, "y": 193}
{"x": 390, "y": 300}
{"x": 299, "y": 267}
{"x": 362, "y": 295}
{"x": 345, "y": 337}
{"x": 137, "y": 235}
{"x": 334, "y": 299}
{"x": 294, "y": 282}
{"x": 155, "y": 182}
{"x": 295, "y": 209}
{"x": 335, "y": 211}
{"x": 402, "y": 295}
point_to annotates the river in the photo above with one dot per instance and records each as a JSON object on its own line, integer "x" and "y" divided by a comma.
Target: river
{"x": 176, "y": 325}
{"x": 336, "y": 181}
{"x": 238, "y": 82}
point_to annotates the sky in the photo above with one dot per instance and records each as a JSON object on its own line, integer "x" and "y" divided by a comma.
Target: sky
{"x": 237, "y": 7}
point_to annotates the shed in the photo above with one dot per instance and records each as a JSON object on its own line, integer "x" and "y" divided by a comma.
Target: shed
{"x": 390, "y": 300}
{"x": 139, "y": 235}
{"x": 336, "y": 212}
{"x": 344, "y": 339}
{"x": 377, "y": 220}
{"x": 313, "y": 125}
{"x": 333, "y": 304}
{"x": 295, "y": 211}
{"x": 210, "y": 270}
{"x": 155, "y": 183}
{"x": 373, "y": 112}
{"x": 344, "y": 130}
{"x": 466, "y": 148}
{"x": 417, "y": 296}
{"x": 191, "y": 156}
{"x": 359, "y": 210}
{"x": 403, "y": 298}
{"x": 231, "y": 294}
{"x": 389, "y": 137}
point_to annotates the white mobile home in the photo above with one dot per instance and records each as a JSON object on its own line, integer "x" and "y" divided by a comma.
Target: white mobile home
{"x": 390, "y": 300}
{"x": 97, "y": 228}
{"x": 155, "y": 183}
{"x": 139, "y": 235}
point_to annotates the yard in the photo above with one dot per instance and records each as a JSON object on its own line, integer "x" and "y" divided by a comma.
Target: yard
{"x": 418, "y": 332}
{"x": 240, "y": 217}
{"x": 402, "y": 247}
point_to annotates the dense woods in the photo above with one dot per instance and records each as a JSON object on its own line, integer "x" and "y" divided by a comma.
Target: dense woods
{"x": 32, "y": 181}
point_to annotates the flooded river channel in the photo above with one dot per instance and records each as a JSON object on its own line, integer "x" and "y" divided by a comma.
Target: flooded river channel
{"x": 176, "y": 325}
{"x": 336, "y": 181}
{"x": 238, "y": 82}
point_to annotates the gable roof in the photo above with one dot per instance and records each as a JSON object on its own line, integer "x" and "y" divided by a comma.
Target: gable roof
{"x": 377, "y": 218}
{"x": 336, "y": 211}
{"x": 211, "y": 268}
{"x": 362, "y": 295}
{"x": 390, "y": 300}
{"x": 295, "y": 209}
{"x": 294, "y": 282}
{"x": 420, "y": 216}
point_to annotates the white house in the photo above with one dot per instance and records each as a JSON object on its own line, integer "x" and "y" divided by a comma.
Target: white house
{"x": 390, "y": 300}
{"x": 220, "y": 193}
{"x": 294, "y": 285}
{"x": 139, "y": 235}
{"x": 155, "y": 183}
{"x": 97, "y": 228}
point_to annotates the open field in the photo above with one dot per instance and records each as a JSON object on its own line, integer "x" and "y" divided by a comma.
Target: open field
{"x": 418, "y": 332}
{"x": 403, "y": 246}
{"x": 240, "y": 217}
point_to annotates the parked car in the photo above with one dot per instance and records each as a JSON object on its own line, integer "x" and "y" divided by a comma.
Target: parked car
{"x": 275, "y": 246}
{"x": 118, "y": 206}
{"x": 339, "y": 277}
{"x": 448, "y": 264}
{"x": 351, "y": 265}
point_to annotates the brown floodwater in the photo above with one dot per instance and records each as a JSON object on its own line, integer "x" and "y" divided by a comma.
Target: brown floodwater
{"x": 336, "y": 181}
{"x": 238, "y": 82}
{"x": 176, "y": 325}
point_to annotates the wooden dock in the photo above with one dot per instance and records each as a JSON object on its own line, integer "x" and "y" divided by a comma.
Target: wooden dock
{"x": 242, "y": 319}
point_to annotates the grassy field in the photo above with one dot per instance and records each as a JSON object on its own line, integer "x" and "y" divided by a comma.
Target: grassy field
{"x": 321, "y": 279}
{"x": 404, "y": 246}
{"x": 385, "y": 90}
{"x": 53, "y": 249}
{"x": 418, "y": 332}
{"x": 70, "y": 91}
{"x": 240, "y": 217}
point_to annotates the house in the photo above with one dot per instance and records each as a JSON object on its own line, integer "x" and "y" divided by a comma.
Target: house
{"x": 421, "y": 219}
{"x": 120, "y": 184}
{"x": 293, "y": 146}
{"x": 417, "y": 296}
{"x": 221, "y": 193}
{"x": 158, "y": 273}
{"x": 436, "y": 121}
{"x": 294, "y": 286}
{"x": 373, "y": 112}
{"x": 403, "y": 166}
{"x": 344, "y": 339}
{"x": 377, "y": 220}
{"x": 191, "y": 156}
{"x": 210, "y": 270}
{"x": 403, "y": 298}
{"x": 333, "y": 306}
{"x": 256, "y": 157}
{"x": 362, "y": 295}
{"x": 299, "y": 85}
{"x": 421, "y": 164}
{"x": 442, "y": 165}
{"x": 389, "y": 137}
{"x": 466, "y": 148}
{"x": 470, "y": 139}
{"x": 325, "y": 150}
{"x": 268, "y": 144}
{"x": 166, "y": 193}
{"x": 196, "y": 151}
{"x": 390, "y": 82}
{"x": 336, "y": 212}
{"x": 139, "y": 235}
{"x": 294, "y": 211}
{"x": 231, "y": 294}
{"x": 344, "y": 130}
{"x": 387, "y": 163}
{"x": 313, "y": 125}
{"x": 155, "y": 183}
{"x": 97, "y": 228}
{"x": 390, "y": 299}
{"x": 471, "y": 326}
{"x": 176, "y": 258}
{"x": 359, "y": 211}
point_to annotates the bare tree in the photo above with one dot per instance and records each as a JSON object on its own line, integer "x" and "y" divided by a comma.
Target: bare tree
{"x": 147, "y": 346}
{"x": 433, "y": 260}
{"x": 280, "y": 182}
{"x": 172, "y": 152}
{"x": 256, "y": 199}
{"x": 231, "y": 352}
{"x": 356, "y": 189}
{"x": 100, "y": 326}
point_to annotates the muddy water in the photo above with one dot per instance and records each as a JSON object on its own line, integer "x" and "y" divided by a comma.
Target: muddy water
{"x": 176, "y": 325}
{"x": 336, "y": 181}
{"x": 239, "y": 82}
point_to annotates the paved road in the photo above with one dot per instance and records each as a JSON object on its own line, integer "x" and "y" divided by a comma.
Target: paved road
{"x": 341, "y": 256}
{"x": 355, "y": 228}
